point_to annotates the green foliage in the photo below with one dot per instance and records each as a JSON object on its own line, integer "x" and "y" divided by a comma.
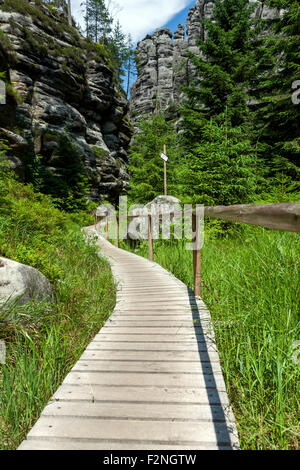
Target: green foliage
{"x": 146, "y": 166}
{"x": 101, "y": 31}
{"x": 118, "y": 49}
{"x": 220, "y": 168}
{"x": 45, "y": 340}
{"x": 98, "y": 20}
{"x": 29, "y": 225}
{"x": 51, "y": 25}
{"x": 221, "y": 164}
{"x": 66, "y": 179}
{"x": 278, "y": 116}
{"x": 6, "y": 44}
{"x": 228, "y": 61}
{"x": 96, "y": 50}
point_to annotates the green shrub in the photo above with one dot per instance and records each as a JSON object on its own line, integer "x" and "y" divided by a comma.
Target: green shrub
{"x": 45, "y": 340}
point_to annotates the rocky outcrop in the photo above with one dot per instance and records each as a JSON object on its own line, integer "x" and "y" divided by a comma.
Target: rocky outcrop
{"x": 60, "y": 84}
{"x": 163, "y": 61}
{"x": 20, "y": 284}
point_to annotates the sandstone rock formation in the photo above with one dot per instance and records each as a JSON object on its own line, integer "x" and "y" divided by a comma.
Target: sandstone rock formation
{"x": 163, "y": 63}
{"x": 60, "y": 83}
{"x": 20, "y": 284}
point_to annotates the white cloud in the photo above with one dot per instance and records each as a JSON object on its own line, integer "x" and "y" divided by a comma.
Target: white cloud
{"x": 140, "y": 17}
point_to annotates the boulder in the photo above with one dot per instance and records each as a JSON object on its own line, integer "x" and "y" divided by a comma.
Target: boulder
{"x": 20, "y": 284}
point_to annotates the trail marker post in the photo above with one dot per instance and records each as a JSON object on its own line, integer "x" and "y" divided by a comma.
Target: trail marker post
{"x": 165, "y": 159}
{"x": 197, "y": 256}
{"x": 150, "y": 241}
{"x": 117, "y": 231}
{"x": 106, "y": 228}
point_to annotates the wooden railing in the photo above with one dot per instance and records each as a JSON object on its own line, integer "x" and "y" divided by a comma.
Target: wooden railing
{"x": 284, "y": 217}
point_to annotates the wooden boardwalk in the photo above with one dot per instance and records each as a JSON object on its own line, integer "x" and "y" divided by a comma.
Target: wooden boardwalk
{"x": 150, "y": 379}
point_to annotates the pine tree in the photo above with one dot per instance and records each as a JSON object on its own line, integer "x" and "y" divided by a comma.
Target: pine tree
{"x": 117, "y": 46}
{"x": 98, "y": 20}
{"x": 278, "y": 117}
{"x": 220, "y": 164}
{"x": 221, "y": 167}
{"x": 146, "y": 166}
{"x": 227, "y": 62}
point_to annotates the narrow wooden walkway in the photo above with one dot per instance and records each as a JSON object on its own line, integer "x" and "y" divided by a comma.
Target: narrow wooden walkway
{"x": 151, "y": 379}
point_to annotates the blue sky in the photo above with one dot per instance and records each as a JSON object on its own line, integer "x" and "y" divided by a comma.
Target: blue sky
{"x": 180, "y": 18}
{"x": 141, "y": 17}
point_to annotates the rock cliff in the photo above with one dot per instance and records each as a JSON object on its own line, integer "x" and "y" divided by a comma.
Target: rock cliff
{"x": 60, "y": 84}
{"x": 163, "y": 63}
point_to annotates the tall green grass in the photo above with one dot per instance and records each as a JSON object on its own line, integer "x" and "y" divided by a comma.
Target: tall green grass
{"x": 45, "y": 340}
{"x": 251, "y": 286}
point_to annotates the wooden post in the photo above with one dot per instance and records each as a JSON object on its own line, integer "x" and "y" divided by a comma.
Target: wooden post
{"x": 150, "y": 243}
{"x": 165, "y": 172}
{"x": 117, "y": 231}
{"x": 106, "y": 228}
{"x": 196, "y": 257}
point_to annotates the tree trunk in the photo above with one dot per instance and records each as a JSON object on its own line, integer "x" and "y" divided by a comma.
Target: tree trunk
{"x": 128, "y": 77}
{"x": 69, "y": 13}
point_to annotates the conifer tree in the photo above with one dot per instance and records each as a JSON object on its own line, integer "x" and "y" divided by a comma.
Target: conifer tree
{"x": 220, "y": 164}
{"x": 278, "y": 116}
{"x": 146, "y": 166}
{"x": 98, "y": 20}
{"x": 117, "y": 46}
{"x": 221, "y": 167}
{"x": 227, "y": 62}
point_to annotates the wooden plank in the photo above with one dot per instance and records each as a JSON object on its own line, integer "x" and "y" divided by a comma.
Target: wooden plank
{"x": 170, "y": 346}
{"x": 173, "y": 331}
{"x": 146, "y": 380}
{"x": 95, "y": 363}
{"x": 144, "y": 322}
{"x": 285, "y": 216}
{"x": 145, "y": 411}
{"x": 159, "y": 338}
{"x": 112, "y": 394}
{"x": 126, "y": 430}
{"x": 150, "y": 355}
{"x": 158, "y": 303}
{"x": 148, "y": 317}
{"x": 77, "y": 444}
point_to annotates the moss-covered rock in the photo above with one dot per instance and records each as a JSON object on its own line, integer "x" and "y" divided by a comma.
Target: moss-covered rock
{"x": 60, "y": 82}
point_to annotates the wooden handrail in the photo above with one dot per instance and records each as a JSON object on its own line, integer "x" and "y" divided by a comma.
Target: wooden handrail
{"x": 284, "y": 217}
{"x": 275, "y": 216}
